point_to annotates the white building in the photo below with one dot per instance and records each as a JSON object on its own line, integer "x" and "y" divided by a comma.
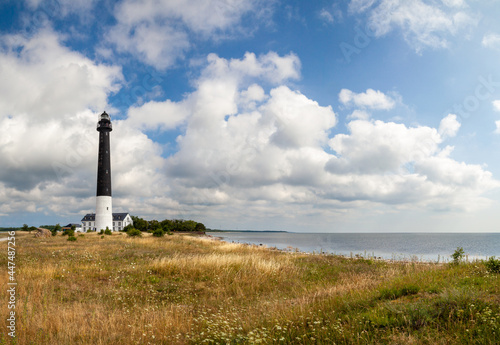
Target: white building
{"x": 120, "y": 220}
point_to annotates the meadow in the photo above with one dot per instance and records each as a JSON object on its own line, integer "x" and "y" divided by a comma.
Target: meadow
{"x": 185, "y": 289}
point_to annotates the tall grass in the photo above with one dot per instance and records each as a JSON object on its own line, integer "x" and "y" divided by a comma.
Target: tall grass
{"x": 194, "y": 290}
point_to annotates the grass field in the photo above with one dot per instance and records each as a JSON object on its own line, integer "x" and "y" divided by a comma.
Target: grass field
{"x": 185, "y": 289}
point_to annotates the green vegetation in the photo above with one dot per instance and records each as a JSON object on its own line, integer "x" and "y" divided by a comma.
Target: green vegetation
{"x": 69, "y": 232}
{"x": 185, "y": 289}
{"x": 10, "y": 229}
{"x": 71, "y": 238}
{"x": 458, "y": 255}
{"x": 108, "y": 232}
{"x": 493, "y": 265}
{"x": 158, "y": 233}
{"x": 167, "y": 225}
{"x": 48, "y": 227}
{"x": 56, "y": 229}
{"x": 134, "y": 232}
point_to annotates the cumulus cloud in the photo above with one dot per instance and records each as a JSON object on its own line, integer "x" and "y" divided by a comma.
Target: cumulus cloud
{"x": 422, "y": 24}
{"x": 379, "y": 147}
{"x": 496, "y": 105}
{"x": 249, "y": 144}
{"x": 42, "y": 77}
{"x": 49, "y": 100}
{"x": 247, "y": 148}
{"x": 219, "y": 92}
{"x": 47, "y": 96}
{"x": 370, "y": 99}
{"x": 159, "y": 32}
{"x": 394, "y": 164}
{"x": 449, "y": 126}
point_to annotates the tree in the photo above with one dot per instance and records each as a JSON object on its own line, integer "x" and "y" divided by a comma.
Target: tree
{"x": 154, "y": 225}
{"x": 200, "y": 227}
{"x": 25, "y": 227}
{"x": 458, "y": 255}
{"x": 56, "y": 229}
{"x": 140, "y": 224}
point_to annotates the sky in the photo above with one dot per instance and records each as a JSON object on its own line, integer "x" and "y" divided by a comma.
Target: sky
{"x": 307, "y": 116}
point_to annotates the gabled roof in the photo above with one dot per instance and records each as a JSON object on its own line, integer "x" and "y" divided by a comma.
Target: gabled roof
{"x": 90, "y": 217}
{"x": 119, "y": 216}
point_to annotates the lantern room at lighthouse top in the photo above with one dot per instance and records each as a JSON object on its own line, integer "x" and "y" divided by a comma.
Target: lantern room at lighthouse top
{"x": 104, "y": 123}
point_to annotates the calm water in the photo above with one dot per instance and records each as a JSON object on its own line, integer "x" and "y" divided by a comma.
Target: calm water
{"x": 399, "y": 246}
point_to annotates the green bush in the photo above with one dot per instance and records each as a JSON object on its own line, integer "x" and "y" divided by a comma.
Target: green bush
{"x": 128, "y": 227}
{"x": 101, "y": 232}
{"x": 71, "y": 238}
{"x": 107, "y": 232}
{"x": 134, "y": 232}
{"x": 493, "y": 265}
{"x": 458, "y": 255}
{"x": 69, "y": 232}
{"x": 158, "y": 233}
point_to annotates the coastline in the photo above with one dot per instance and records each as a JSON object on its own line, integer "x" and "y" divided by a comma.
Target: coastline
{"x": 292, "y": 250}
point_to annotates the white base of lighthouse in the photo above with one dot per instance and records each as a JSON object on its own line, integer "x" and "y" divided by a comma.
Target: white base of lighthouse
{"x": 103, "y": 213}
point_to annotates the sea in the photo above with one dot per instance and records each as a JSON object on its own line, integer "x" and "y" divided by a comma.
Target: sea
{"x": 436, "y": 247}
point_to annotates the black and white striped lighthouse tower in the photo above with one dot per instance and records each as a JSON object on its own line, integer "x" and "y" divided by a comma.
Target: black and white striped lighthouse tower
{"x": 103, "y": 210}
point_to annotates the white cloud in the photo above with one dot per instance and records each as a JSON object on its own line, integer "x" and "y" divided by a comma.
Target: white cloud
{"x": 330, "y": 15}
{"x": 449, "y": 126}
{"x": 326, "y": 16}
{"x": 49, "y": 101}
{"x": 491, "y": 41}
{"x": 359, "y": 114}
{"x": 153, "y": 115}
{"x": 46, "y": 80}
{"x": 159, "y": 32}
{"x": 272, "y": 153}
{"x": 358, "y": 6}
{"x": 219, "y": 92}
{"x": 422, "y": 24}
{"x": 370, "y": 99}
{"x": 249, "y": 145}
{"x": 394, "y": 164}
{"x": 496, "y": 105}
{"x": 455, "y": 3}
{"x": 380, "y": 147}
{"x": 156, "y": 45}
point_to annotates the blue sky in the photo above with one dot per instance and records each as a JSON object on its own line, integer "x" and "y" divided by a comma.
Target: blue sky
{"x": 317, "y": 116}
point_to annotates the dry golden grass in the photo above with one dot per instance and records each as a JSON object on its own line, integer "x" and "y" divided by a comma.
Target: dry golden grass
{"x": 195, "y": 290}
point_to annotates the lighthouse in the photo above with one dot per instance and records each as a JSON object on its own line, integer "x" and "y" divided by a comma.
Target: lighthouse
{"x": 103, "y": 210}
